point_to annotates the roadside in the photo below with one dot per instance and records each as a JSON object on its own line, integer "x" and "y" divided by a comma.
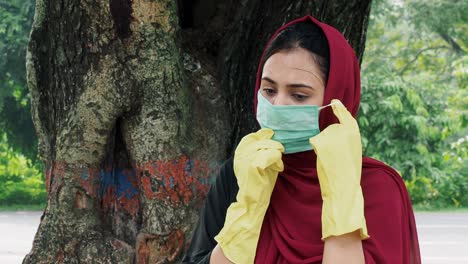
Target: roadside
{"x": 20, "y": 207}
{"x": 443, "y": 236}
{"x": 18, "y": 230}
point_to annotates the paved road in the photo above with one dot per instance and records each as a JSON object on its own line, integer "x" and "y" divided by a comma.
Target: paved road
{"x": 443, "y": 236}
{"x": 17, "y": 230}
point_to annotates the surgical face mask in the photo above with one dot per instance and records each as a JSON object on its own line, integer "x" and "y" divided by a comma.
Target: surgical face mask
{"x": 293, "y": 124}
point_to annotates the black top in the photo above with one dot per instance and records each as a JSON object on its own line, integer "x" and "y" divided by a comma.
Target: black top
{"x": 220, "y": 196}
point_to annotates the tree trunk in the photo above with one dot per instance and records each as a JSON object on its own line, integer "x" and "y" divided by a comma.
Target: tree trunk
{"x": 136, "y": 104}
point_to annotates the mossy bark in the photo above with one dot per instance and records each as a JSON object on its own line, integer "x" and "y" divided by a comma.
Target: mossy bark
{"x": 136, "y": 103}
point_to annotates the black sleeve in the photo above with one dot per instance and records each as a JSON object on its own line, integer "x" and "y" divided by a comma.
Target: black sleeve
{"x": 220, "y": 196}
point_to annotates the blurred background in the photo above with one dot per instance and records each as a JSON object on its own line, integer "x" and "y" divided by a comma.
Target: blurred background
{"x": 413, "y": 114}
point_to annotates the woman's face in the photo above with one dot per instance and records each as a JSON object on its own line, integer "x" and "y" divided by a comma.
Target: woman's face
{"x": 292, "y": 78}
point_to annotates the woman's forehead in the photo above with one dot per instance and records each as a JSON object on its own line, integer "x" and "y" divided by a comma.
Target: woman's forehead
{"x": 297, "y": 63}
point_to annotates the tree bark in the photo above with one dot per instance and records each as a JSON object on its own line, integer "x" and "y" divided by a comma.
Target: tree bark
{"x": 136, "y": 104}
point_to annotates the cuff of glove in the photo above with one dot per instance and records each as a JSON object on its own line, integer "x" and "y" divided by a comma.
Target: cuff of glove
{"x": 237, "y": 252}
{"x": 338, "y": 232}
{"x": 343, "y": 215}
{"x": 239, "y": 236}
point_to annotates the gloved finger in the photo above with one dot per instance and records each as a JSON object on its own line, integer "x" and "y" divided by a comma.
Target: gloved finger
{"x": 265, "y": 158}
{"x": 264, "y": 133}
{"x": 278, "y": 166}
{"x": 343, "y": 115}
{"x": 269, "y": 144}
{"x": 315, "y": 140}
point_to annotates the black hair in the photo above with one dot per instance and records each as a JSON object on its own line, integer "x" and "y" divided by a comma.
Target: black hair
{"x": 306, "y": 35}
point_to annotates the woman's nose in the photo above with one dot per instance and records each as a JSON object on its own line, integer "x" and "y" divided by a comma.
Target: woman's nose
{"x": 281, "y": 99}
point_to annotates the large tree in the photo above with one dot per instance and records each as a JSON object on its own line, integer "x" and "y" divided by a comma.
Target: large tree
{"x": 136, "y": 104}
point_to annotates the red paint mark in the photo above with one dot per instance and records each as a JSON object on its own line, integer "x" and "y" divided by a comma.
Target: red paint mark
{"x": 119, "y": 244}
{"x": 88, "y": 177}
{"x": 159, "y": 249}
{"x": 48, "y": 174}
{"x": 59, "y": 256}
{"x": 146, "y": 182}
{"x": 173, "y": 246}
{"x": 178, "y": 181}
{"x": 131, "y": 206}
{"x": 128, "y": 198}
{"x": 142, "y": 248}
{"x": 202, "y": 171}
{"x": 108, "y": 198}
{"x": 116, "y": 244}
{"x": 57, "y": 172}
{"x": 80, "y": 200}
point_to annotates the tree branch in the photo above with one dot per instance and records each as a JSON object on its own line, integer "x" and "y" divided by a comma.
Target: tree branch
{"x": 406, "y": 67}
{"x": 457, "y": 48}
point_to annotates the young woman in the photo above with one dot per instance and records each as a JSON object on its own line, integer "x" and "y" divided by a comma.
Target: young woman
{"x": 299, "y": 190}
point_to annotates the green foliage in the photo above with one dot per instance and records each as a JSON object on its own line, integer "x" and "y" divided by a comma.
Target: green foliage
{"x": 409, "y": 125}
{"x": 397, "y": 125}
{"x": 15, "y": 119}
{"x": 457, "y": 184}
{"x": 414, "y": 97}
{"x": 447, "y": 19}
{"x": 20, "y": 181}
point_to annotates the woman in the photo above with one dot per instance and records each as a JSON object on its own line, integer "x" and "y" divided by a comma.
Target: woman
{"x": 298, "y": 190}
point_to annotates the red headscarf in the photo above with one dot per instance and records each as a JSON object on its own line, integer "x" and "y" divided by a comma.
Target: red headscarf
{"x": 291, "y": 230}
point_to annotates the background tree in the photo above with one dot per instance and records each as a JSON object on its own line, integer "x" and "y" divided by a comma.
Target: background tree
{"x": 135, "y": 104}
{"x": 414, "y": 109}
{"x": 20, "y": 172}
{"x": 15, "y": 118}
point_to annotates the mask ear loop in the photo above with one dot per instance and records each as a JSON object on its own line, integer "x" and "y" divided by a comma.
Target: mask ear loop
{"x": 330, "y": 104}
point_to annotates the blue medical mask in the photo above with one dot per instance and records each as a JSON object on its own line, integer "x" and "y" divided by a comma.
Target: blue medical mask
{"x": 293, "y": 125}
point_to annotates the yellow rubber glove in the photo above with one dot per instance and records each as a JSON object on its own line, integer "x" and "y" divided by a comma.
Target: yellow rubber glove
{"x": 339, "y": 164}
{"x": 257, "y": 161}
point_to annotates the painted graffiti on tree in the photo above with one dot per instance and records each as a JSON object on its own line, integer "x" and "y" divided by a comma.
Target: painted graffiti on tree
{"x": 176, "y": 181}
{"x": 180, "y": 181}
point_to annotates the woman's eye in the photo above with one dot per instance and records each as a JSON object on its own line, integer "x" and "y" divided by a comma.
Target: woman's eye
{"x": 269, "y": 91}
{"x": 300, "y": 97}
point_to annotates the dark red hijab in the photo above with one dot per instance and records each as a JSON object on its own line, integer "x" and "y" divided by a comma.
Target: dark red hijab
{"x": 291, "y": 230}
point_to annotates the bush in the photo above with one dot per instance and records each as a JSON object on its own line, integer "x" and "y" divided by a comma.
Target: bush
{"x": 409, "y": 125}
{"x": 21, "y": 181}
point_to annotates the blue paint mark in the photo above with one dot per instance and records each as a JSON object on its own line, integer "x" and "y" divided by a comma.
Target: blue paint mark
{"x": 84, "y": 175}
{"x": 119, "y": 181}
{"x": 171, "y": 182}
{"x": 122, "y": 183}
{"x": 125, "y": 187}
{"x": 107, "y": 181}
{"x": 163, "y": 181}
{"x": 189, "y": 166}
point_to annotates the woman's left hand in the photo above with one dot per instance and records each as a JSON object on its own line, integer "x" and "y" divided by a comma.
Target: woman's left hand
{"x": 339, "y": 163}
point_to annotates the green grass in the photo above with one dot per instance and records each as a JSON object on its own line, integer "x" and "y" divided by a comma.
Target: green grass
{"x": 425, "y": 208}
{"x": 22, "y": 207}
{"x": 417, "y": 208}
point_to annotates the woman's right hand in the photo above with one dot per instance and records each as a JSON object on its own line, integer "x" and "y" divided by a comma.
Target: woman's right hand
{"x": 257, "y": 162}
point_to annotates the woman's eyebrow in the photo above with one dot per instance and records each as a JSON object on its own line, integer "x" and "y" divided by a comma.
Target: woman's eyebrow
{"x": 292, "y": 85}
{"x": 268, "y": 79}
{"x": 299, "y": 85}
